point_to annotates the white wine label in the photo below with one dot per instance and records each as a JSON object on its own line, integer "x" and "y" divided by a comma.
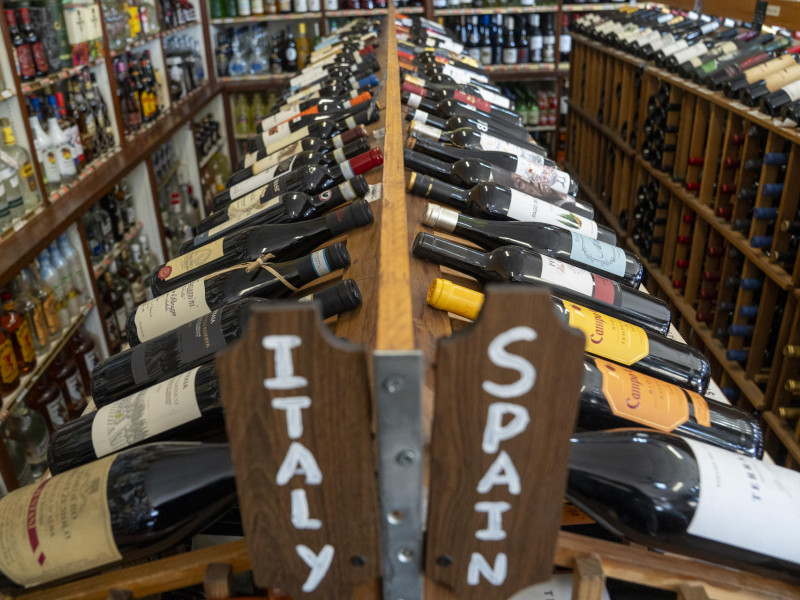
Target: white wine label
{"x": 746, "y": 503}
{"x": 350, "y": 122}
{"x": 144, "y": 415}
{"x": 278, "y": 118}
{"x": 59, "y": 527}
{"x": 538, "y": 172}
{"x": 257, "y": 181}
{"x": 564, "y": 275}
{"x": 676, "y": 47}
{"x": 489, "y": 142}
{"x": 347, "y": 169}
{"x": 427, "y": 131}
{"x": 276, "y": 145}
{"x": 509, "y": 56}
{"x": 238, "y": 213}
{"x": 414, "y": 100}
{"x": 493, "y": 98}
{"x": 597, "y": 254}
{"x": 527, "y": 208}
{"x": 171, "y": 310}
{"x": 191, "y": 260}
{"x": 74, "y": 387}
{"x": 339, "y": 156}
{"x": 278, "y": 131}
{"x": 320, "y": 263}
{"x": 559, "y": 587}
{"x": 305, "y": 93}
{"x": 793, "y": 90}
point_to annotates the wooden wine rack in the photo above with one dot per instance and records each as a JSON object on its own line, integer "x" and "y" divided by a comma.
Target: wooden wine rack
{"x": 393, "y": 320}
{"x": 609, "y": 92}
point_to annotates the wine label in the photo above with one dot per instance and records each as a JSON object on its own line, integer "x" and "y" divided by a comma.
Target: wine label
{"x": 527, "y": 208}
{"x": 238, "y": 211}
{"x": 9, "y": 370}
{"x": 191, "y": 260}
{"x": 59, "y": 527}
{"x": 564, "y": 275}
{"x": 793, "y": 90}
{"x": 572, "y": 515}
{"x": 57, "y": 410}
{"x": 746, "y": 503}
{"x": 171, "y": 310}
{"x": 776, "y": 81}
{"x": 759, "y": 72}
{"x": 427, "y": 131}
{"x": 278, "y": 118}
{"x": 414, "y": 100}
{"x": 273, "y": 159}
{"x": 608, "y": 337}
{"x": 642, "y": 399}
{"x": 275, "y": 145}
{"x": 74, "y": 388}
{"x": 489, "y": 142}
{"x": 190, "y": 342}
{"x": 154, "y": 410}
{"x": 264, "y": 177}
{"x": 538, "y": 172}
{"x": 597, "y": 254}
{"x": 319, "y": 263}
{"x": 25, "y": 342}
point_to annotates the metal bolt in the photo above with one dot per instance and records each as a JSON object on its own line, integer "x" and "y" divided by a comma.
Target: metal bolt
{"x": 358, "y": 561}
{"x": 406, "y": 458}
{"x": 444, "y": 561}
{"x": 393, "y": 383}
{"x": 405, "y": 555}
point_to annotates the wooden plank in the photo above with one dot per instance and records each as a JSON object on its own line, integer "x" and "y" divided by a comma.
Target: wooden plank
{"x": 394, "y": 319}
{"x": 589, "y": 578}
{"x": 510, "y": 423}
{"x": 303, "y": 453}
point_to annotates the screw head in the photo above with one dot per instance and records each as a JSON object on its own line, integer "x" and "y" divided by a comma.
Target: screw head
{"x": 393, "y": 383}
{"x": 444, "y": 560}
{"x": 406, "y": 458}
{"x": 358, "y": 561}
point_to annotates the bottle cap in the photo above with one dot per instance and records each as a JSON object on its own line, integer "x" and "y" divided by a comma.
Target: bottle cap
{"x": 445, "y": 295}
{"x": 413, "y": 89}
{"x": 365, "y": 162}
{"x": 337, "y": 256}
{"x": 441, "y": 218}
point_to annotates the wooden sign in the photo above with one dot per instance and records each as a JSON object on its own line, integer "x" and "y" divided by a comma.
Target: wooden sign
{"x": 297, "y": 413}
{"x": 506, "y": 404}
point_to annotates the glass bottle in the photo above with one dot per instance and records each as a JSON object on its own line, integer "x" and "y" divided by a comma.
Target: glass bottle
{"x": 27, "y": 66}
{"x": 43, "y": 292}
{"x": 69, "y": 125}
{"x": 19, "y": 159}
{"x": 85, "y": 356}
{"x": 115, "y": 302}
{"x": 29, "y": 429}
{"x": 13, "y": 193}
{"x": 47, "y": 399}
{"x": 60, "y": 144}
{"x": 9, "y": 367}
{"x": 50, "y": 275}
{"x": 65, "y": 371}
{"x": 18, "y": 328}
{"x": 70, "y": 293}
{"x": 44, "y": 149}
{"x": 33, "y": 311}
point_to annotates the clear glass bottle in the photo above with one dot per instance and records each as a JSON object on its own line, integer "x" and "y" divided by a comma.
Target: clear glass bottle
{"x": 13, "y": 193}
{"x": 53, "y": 278}
{"x": 33, "y": 311}
{"x": 18, "y": 158}
{"x": 44, "y": 149}
{"x": 29, "y": 429}
{"x": 70, "y": 293}
{"x": 43, "y": 293}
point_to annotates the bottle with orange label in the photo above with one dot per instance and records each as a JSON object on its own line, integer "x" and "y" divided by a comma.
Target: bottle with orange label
{"x": 606, "y": 337}
{"x": 19, "y": 330}
{"x": 9, "y": 369}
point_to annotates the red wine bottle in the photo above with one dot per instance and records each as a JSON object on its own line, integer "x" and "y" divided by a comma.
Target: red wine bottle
{"x": 504, "y": 160}
{"x": 196, "y": 343}
{"x": 314, "y": 106}
{"x": 309, "y": 157}
{"x": 289, "y": 146}
{"x": 119, "y": 509}
{"x": 569, "y": 247}
{"x": 450, "y": 106}
{"x": 297, "y": 121}
{"x": 488, "y": 200}
{"x": 710, "y": 503}
{"x": 286, "y": 208}
{"x": 311, "y": 179}
{"x": 283, "y": 241}
{"x": 458, "y": 96}
{"x": 466, "y": 137}
{"x": 195, "y": 299}
{"x": 456, "y": 122}
{"x": 518, "y": 265}
{"x": 545, "y": 183}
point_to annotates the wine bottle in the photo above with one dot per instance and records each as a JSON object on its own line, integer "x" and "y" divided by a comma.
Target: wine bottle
{"x": 452, "y": 107}
{"x": 283, "y": 241}
{"x": 118, "y": 509}
{"x": 458, "y": 96}
{"x": 195, "y": 299}
{"x": 651, "y": 354}
{"x": 466, "y": 137}
{"x": 196, "y": 342}
{"x": 518, "y": 265}
{"x": 503, "y": 160}
{"x": 566, "y": 246}
{"x": 457, "y": 121}
{"x": 286, "y": 208}
{"x": 762, "y": 67}
{"x": 529, "y": 178}
{"x": 488, "y": 200}
{"x": 311, "y": 179}
{"x": 709, "y": 503}
{"x": 310, "y": 157}
{"x": 314, "y": 106}
{"x": 752, "y": 95}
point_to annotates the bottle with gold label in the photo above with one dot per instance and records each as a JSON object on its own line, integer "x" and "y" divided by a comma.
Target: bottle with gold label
{"x": 42, "y": 292}
{"x": 9, "y": 368}
{"x": 32, "y": 310}
{"x": 606, "y": 337}
{"x": 18, "y": 158}
{"x": 19, "y": 329}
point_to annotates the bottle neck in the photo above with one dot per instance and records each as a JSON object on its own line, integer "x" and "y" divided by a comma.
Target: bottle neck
{"x": 427, "y": 164}
{"x": 450, "y": 254}
{"x": 428, "y": 187}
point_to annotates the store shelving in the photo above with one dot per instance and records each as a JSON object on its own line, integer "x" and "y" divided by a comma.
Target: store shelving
{"x": 495, "y": 10}
{"x": 168, "y": 32}
{"x": 28, "y": 87}
{"x": 87, "y": 172}
{"x": 335, "y": 14}
{"x": 100, "y": 267}
{"x": 143, "y": 41}
{"x": 307, "y": 16}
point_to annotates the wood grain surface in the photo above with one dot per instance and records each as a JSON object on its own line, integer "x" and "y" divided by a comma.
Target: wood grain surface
{"x": 539, "y": 453}
{"x": 335, "y": 430}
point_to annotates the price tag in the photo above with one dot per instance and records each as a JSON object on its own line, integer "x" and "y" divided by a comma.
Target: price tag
{"x": 374, "y": 193}
{"x": 19, "y": 225}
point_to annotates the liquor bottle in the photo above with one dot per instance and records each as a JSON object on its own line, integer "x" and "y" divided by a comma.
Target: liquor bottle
{"x": 548, "y": 40}
{"x": 9, "y": 366}
{"x": 65, "y": 372}
{"x": 24, "y": 52}
{"x": 181, "y": 487}
{"x": 279, "y": 241}
{"x": 458, "y": 95}
{"x": 132, "y": 275}
{"x": 566, "y": 246}
{"x": 706, "y": 507}
{"x": 510, "y": 52}
{"x": 54, "y": 279}
{"x": 82, "y": 349}
{"x": 650, "y": 354}
{"x": 491, "y": 201}
{"x": 752, "y": 95}
{"x": 29, "y": 430}
{"x": 518, "y": 265}
{"x": 196, "y": 342}
{"x": 44, "y": 149}
{"x": 178, "y": 230}
{"x": 33, "y": 312}
{"x": 312, "y": 179}
{"x": 61, "y": 146}
{"x": 46, "y": 399}
{"x": 43, "y": 293}
{"x": 535, "y": 39}
{"x": 36, "y": 45}
{"x": 188, "y": 302}
{"x": 69, "y": 125}
{"x": 71, "y": 298}
{"x": 546, "y": 183}
{"x": 286, "y": 208}
{"x": 18, "y": 328}
{"x": 19, "y": 160}
{"x": 303, "y": 46}
{"x": 115, "y": 302}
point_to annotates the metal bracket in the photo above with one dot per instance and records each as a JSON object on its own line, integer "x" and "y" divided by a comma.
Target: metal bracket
{"x": 398, "y": 399}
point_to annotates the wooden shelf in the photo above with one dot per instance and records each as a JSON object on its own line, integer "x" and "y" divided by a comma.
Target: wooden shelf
{"x": 411, "y": 10}
{"x": 36, "y": 84}
{"x": 255, "y": 83}
{"x": 739, "y": 241}
{"x": 307, "y": 16}
{"x": 596, "y": 7}
{"x": 18, "y": 250}
{"x": 87, "y": 171}
{"x": 495, "y": 10}
{"x": 528, "y": 71}
{"x": 136, "y": 44}
{"x": 168, "y": 32}
{"x": 335, "y": 14}
{"x": 43, "y": 360}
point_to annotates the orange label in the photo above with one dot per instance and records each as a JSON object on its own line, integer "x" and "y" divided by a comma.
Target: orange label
{"x": 9, "y": 370}
{"x": 609, "y": 337}
{"x": 26, "y": 343}
{"x": 701, "y": 412}
{"x": 572, "y": 515}
{"x": 642, "y": 399}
